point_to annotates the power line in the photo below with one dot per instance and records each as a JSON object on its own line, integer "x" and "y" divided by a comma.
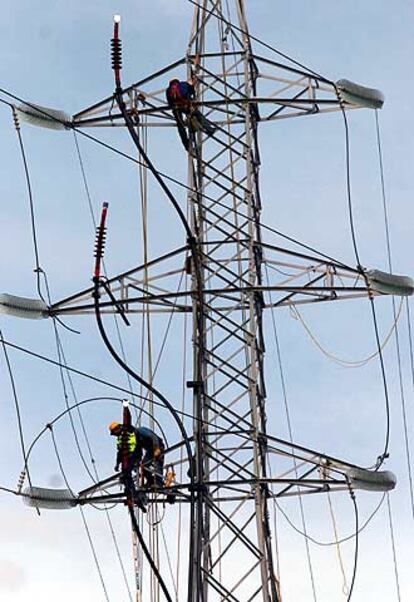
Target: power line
{"x": 397, "y": 338}
{"x": 18, "y": 414}
{"x": 384, "y": 454}
{"x": 290, "y": 431}
{"x": 351, "y": 587}
{"x": 85, "y": 523}
{"x": 394, "y": 553}
{"x": 174, "y": 180}
{"x": 259, "y": 41}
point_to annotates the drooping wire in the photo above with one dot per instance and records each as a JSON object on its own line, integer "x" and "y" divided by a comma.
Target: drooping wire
{"x": 18, "y": 417}
{"x": 410, "y": 339}
{"x": 394, "y": 552}
{"x": 85, "y": 523}
{"x": 38, "y": 269}
{"x": 73, "y": 407}
{"x": 107, "y": 383}
{"x": 338, "y": 360}
{"x": 62, "y": 361}
{"x": 345, "y": 588}
{"x": 381, "y": 458}
{"x": 175, "y": 181}
{"x": 328, "y": 544}
{"x": 93, "y": 218}
{"x": 348, "y": 182}
{"x": 397, "y": 338}
{"x": 289, "y": 425}
{"x": 258, "y": 40}
{"x": 357, "y": 531}
{"x": 151, "y": 388}
{"x": 59, "y": 347}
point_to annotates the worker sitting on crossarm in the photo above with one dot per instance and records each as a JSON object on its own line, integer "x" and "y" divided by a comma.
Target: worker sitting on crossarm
{"x": 180, "y": 96}
{"x": 134, "y": 442}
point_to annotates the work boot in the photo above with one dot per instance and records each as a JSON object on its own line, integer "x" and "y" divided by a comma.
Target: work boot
{"x": 141, "y": 500}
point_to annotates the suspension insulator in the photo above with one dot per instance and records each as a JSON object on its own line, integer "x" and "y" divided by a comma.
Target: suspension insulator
{"x": 22, "y": 307}
{"x": 49, "y": 499}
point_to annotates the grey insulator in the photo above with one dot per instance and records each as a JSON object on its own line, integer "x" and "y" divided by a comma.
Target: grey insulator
{"x": 372, "y": 480}
{"x": 44, "y": 116}
{"x": 390, "y": 284}
{"x": 49, "y": 499}
{"x": 21, "y": 307}
{"x": 359, "y": 95}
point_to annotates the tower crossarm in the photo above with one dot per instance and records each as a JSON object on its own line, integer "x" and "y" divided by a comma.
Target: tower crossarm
{"x": 292, "y": 279}
{"x": 281, "y": 92}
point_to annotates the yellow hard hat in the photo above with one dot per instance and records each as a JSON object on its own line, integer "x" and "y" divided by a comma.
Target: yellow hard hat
{"x": 113, "y": 426}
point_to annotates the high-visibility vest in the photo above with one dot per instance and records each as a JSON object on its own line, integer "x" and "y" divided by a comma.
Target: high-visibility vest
{"x": 131, "y": 442}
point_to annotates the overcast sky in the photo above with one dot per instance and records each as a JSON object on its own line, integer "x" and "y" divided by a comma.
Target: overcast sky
{"x": 56, "y": 54}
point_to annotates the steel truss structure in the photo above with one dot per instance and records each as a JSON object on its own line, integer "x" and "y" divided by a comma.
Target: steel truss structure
{"x": 237, "y": 89}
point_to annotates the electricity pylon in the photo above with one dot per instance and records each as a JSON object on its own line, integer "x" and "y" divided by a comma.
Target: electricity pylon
{"x": 232, "y": 555}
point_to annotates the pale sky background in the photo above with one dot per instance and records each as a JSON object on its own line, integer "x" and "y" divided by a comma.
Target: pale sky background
{"x": 56, "y": 54}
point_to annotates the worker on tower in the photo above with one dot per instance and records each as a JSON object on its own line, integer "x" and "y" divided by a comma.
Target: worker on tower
{"x": 180, "y": 97}
{"x": 131, "y": 444}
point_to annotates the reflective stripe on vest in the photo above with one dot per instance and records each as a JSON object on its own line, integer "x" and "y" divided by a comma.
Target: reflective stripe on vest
{"x": 131, "y": 442}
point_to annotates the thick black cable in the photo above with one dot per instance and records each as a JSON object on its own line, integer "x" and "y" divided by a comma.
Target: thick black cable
{"x": 80, "y": 403}
{"x": 161, "y": 405}
{"x": 164, "y": 401}
{"x": 384, "y": 455}
{"x": 147, "y": 553}
{"x": 62, "y": 358}
{"x": 62, "y": 362}
{"x": 91, "y": 211}
{"x": 148, "y": 163}
{"x": 173, "y": 180}
{"x": 200, "y": 328}
{"x": 348, "y": 183}
{"x": 381, "y": 459}
{"x": 38, "y": 271}
{"x": 103, "y": 382}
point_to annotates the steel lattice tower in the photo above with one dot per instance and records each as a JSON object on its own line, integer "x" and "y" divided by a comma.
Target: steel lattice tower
{"x": 229, "y": 380}
{"x": 233, "y": 554}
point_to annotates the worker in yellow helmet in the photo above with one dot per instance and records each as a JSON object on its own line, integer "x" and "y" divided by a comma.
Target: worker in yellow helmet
{"x": 132, "y": 443}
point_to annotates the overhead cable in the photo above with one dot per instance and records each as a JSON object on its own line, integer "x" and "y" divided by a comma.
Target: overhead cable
{"x": 397, "y": 337}
{"x": 181, "y": 184}
{"x": 85, "y": 523}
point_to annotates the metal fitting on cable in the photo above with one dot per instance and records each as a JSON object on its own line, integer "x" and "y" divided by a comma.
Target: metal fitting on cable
{"x": 16, "y": 119}
{"x": 21, "y": 480}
